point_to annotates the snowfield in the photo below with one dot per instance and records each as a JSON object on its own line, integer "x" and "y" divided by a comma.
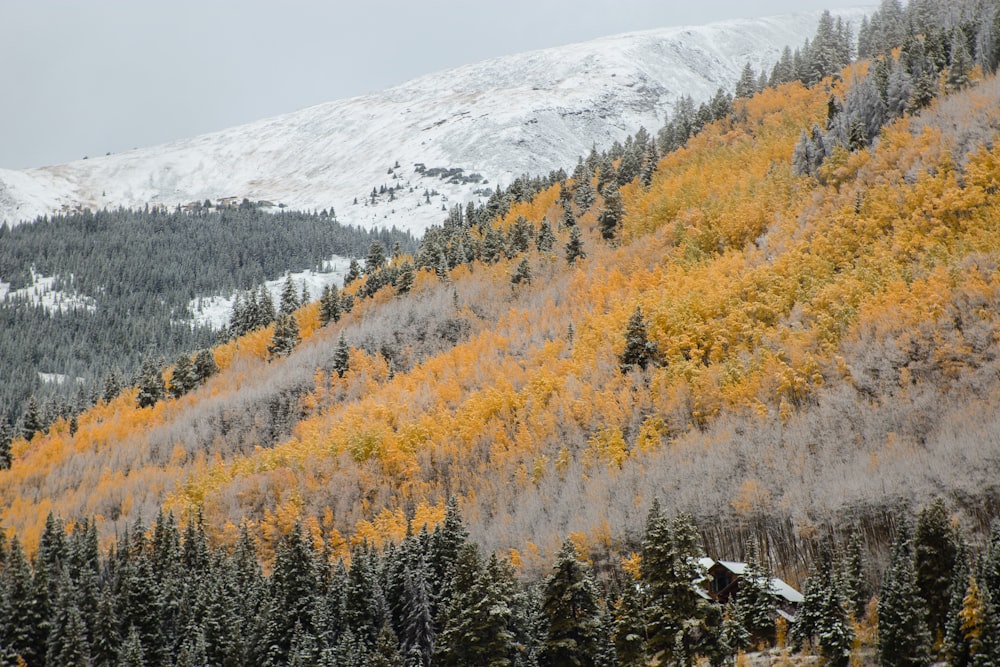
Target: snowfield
{"x": 527, "y": 113}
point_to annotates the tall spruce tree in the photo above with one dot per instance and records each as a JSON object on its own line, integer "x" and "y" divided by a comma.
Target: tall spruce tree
{"x": 903, "y": 637}
{"x": 285, "y": 336}
{"x": 6, "y": 439}
{"x": 935, "y": 552}
{"x": 570, "y": 606}
{"x": 151, "y": 385}
{"x": 609, "y": 220}
{"x": 341, "y": 356}
{"x": 639, "y": 350}
{"x": 289, "y": 297}
{"x": 574, "y": 247}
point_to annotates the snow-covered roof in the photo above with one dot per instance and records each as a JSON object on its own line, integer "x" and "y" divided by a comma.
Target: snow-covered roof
{"x": 734, "y": 566}
{"x": 779, "y": 587}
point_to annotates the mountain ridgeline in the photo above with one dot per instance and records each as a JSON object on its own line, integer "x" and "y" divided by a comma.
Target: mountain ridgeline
{"x": 780, "y": 316}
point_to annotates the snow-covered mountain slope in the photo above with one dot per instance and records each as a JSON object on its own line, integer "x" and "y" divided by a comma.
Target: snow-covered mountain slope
{"x": 527, "y": 113}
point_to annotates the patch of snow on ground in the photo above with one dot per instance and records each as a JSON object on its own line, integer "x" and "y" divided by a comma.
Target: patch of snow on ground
{"x": 215, "y": 311}
{"x": 42, "y": 292}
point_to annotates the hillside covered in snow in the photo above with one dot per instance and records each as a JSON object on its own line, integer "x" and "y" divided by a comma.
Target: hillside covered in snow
{"x": 396, "y": 157}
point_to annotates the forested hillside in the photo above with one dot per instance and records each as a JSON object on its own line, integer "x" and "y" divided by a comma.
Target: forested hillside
{"x": 123, "y": 283}
{"x": 786, "y": 328}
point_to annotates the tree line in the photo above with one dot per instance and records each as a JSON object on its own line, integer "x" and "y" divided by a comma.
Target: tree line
{"x": 163, "y": 595}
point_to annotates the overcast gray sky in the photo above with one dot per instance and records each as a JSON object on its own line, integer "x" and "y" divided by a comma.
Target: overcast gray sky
{"x": 84, "y": 77}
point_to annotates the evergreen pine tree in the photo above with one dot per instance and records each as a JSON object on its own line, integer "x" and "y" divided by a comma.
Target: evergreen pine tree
{"x": 31, "y": 420}
{"x": 521, "y": 274}
{"x": 857, "y": 591}
{"x": 639, "y": 350}
{"x": 104, "y": 637}
{"x": 630, "y": 629}
{"x": 341, "y": 356}
{"x": 493, "y": 246}
{"x": 584, "y": 195}
{"x": 669, "y": 564}
{"x": 6, "y": 439}
{"x": 903, "y": 637}
{"x": 574, "y": 247}
{"x": 568, "y": 220}
{"x": 610, "y": 218}
{"x": 151, "y": 385}
{"x": 112, "y": 386}
{"x": 649, "y": 164}
{"x": 204, "y": 365}
{"x": 386, "y": 651}
{"x": 956, "y": 644}
{"x": 959, "y": 61}
{"x": 406, "y": 278}
{"x": 285, "y": 337}
{"x": 182, "y": 380}
{"x": 520, "y": 237}
{"x": 18, "y": 602}
{"x": 757, "y": 598}
{"x": 132, "y": 654}
{"x": 353, "y": 272}
{"x": 935, "y": 553}
{"x": 375, "y": 260}
{"x": 263, "y": 313}
{"x": 747, "y": 84}
{"x": 570, "y": 606}
{"x": 546, "y": 238}
{"x": 329, "y": 305}
{"x": 418, "y": 616}
{"x": 289, "y": 297}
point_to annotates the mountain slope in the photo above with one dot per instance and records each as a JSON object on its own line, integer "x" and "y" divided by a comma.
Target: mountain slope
{"x": 480, "y": 118}
{"x": 827, "y": 355}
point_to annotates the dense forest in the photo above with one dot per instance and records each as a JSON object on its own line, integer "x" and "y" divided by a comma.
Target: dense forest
{"x": 778, "y": 315}
{"x": 164, "y": 596}
{"x": 127, "y": 279}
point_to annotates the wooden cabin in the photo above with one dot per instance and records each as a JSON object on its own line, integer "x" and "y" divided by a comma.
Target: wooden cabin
{"x": 721, "y": 584}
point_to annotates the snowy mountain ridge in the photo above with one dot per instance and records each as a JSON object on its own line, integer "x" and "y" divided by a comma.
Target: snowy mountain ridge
{"x": 441, "y": 139}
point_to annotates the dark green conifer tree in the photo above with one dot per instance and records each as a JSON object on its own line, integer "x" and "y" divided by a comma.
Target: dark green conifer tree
{"x": 6, "y": 439}
{"x": 132, "y": 653}
{"x": 341, "y": 356}
{"x": 289, "y": 297}
{"x": 104, "y": 637}
{"x": 521, "y": 274}
{"x": 903, "y": 637}
{"x": 329, "y": 305}
{"x": 639, "y": 350}
{"x": 31, "y": 420}
{"x": 183, "y": 379}
{"x": 353, "y": 272}
{"x": 375, "y": 260}
{"x": 935, "y": 552}
{"x": 757, "y": 598}
{"x": 630, "y": 629}
{"x": 285, "y": 336}
{"x": 574, "y": 247}
{"x": 204, "y": 365}
{"x": 570, "y": 606}
{"x": 404, "y": 283}
{"x": 151, "y": 386}
{"x": 609, "y": 220}
{"x": 546, "y": 238}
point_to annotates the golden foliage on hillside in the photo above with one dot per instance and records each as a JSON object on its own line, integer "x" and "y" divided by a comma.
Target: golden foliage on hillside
{"x": 759, "y": 288}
